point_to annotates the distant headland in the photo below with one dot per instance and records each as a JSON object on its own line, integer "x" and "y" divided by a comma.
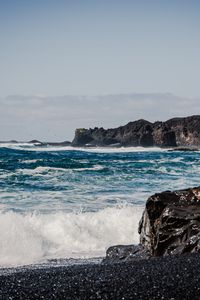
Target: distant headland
{"x": 176, "y": 132}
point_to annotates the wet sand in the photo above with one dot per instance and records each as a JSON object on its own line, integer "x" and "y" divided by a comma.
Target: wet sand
{"x": 158, "y": 278}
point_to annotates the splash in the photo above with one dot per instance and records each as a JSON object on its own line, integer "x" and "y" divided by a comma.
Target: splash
{"x": 34, "y": 238}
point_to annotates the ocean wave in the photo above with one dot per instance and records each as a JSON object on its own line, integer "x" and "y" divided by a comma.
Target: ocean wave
{"x": 94, "y": 168}
{"x": 39, "y": 170}
{"x": 31, "y": 161}
{"x": 33, "y": 238}
{"x": 120, "y": 149}
{"x": 16, "y": 145}
{"x": 34, "y": 147}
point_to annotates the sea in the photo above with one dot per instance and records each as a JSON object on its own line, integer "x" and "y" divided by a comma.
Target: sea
{"x": 61, "y": 204}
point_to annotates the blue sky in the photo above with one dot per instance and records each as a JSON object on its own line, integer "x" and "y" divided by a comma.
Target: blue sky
{"x": 131, "y": 60}
{"x": 99, "y": 47}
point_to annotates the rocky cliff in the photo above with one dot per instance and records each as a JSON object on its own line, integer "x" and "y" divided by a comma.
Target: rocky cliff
{"x": 172, "y": 133}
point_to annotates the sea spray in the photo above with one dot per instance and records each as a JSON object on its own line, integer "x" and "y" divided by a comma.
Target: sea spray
{"x": 32, "y": 238}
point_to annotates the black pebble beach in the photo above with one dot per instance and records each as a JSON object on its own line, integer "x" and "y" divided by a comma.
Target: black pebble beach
{"x": 175, "y": 277}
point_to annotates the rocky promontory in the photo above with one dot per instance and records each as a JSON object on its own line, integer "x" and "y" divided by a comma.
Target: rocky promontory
{"x": 176, "y": 132}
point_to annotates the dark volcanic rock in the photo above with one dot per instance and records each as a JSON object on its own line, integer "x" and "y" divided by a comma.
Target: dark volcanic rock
{"x": 187, "y": 130}
{"x": 82, "y": 137}
{"x": 171, "y": 223}
{"x": 134, "y": 133}
{"x": 163, "y": 136}
{"x": 126, "y": 253}
{"x": 35, "y": 142}
{"x": 185, "y": 149}
{"x": 172, "y": 133}
{"x": 62, "y": 144}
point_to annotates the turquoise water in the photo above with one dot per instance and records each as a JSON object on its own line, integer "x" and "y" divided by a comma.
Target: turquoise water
{"x": 67, "y": 202}
{"x": 71, "y": 180}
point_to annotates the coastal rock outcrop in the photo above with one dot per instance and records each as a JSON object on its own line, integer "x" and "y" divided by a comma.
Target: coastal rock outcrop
{"x": 171, "y": 222}
{"x": 170, "y": 225}
{"x": 126, "y": 253}
{"x": 172, "y": 133}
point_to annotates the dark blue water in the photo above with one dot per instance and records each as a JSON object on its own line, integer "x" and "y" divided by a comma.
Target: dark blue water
{"x": 42, "y": 179}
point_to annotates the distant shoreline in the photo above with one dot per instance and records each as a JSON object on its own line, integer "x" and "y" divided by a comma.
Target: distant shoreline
{"x": 67, "y": 143}
{"x": 176, "y": 133}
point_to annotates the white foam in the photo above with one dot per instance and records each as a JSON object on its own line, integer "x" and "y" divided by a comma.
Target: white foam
{"x": 121, "y": 149}
{"x": 16, "y": 145}
{"x": 34, "y": 147}
{"x": 33, "y": 238}
{"x": 176, "y": 159}
{"x": 31, "y": 161}
{"x": 39, "y": 170}
{"x": 94, "y": 168}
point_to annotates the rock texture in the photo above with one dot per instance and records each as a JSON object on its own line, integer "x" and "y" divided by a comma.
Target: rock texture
{"x": 126, "y": 253}
{"x": 61, "y": 144}
{"x": 164, "y": 278}
{"x": 172, "y": 133}
{"x": 171, "y": 223}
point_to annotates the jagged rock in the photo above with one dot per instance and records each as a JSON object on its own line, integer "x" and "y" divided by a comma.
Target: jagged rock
{"x": 172, "y": 133}
{"x": 35, "y": 142}
{"x": 125, "y": 253}
{"x": 187, "y": 130}
{"x": 163, "y": 136}
{"x": 170, "y": 225}
{"x": 12, "y": 142}
{"x": 185, "y": 149}
{"x": 38, "y": 143}
{"x": 61, "y": 144}
{"x": 82, "y": 137}
{"x": 171, "y": 222}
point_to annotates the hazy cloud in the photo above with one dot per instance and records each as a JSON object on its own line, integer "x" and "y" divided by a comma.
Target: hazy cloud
{"x": 56, "y": 118}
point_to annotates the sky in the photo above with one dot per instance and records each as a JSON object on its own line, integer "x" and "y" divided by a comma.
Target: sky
{"x": 55, "y": 118}
{"x": 91, "y": 50}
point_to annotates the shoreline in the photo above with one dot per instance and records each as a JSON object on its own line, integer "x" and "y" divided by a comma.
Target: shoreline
{"x": 171, "y": 277}
{"x": 107, "y": 148}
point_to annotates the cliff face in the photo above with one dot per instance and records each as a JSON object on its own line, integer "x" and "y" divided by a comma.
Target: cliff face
{"x": 172, "y": 133}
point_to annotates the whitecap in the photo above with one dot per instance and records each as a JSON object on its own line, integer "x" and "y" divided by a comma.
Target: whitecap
{"x": 39, "y": 170}
{"x": 31, "y": 161}
{"x": 34, "y": 147}
{"x": 94, "y": 168}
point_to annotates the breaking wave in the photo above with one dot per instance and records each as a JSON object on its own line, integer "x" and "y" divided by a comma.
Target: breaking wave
{"x": 34, "y": 238}
{"x": 35, "y": 147}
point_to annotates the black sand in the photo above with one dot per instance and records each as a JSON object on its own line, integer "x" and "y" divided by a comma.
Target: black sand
{"x": 163, "y": 278}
